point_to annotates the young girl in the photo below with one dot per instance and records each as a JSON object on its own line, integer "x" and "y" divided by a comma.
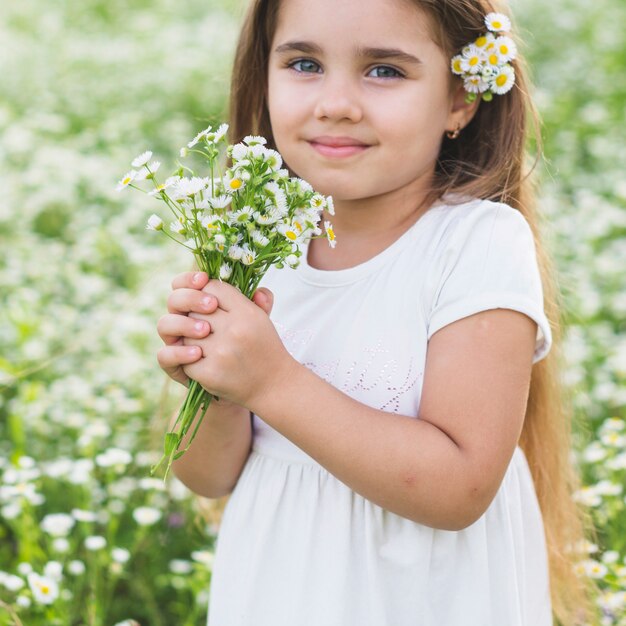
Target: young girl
{"x": 391, "y": 435}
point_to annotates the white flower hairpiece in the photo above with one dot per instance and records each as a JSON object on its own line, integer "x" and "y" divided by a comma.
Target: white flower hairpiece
{"x": 484, "y": 64}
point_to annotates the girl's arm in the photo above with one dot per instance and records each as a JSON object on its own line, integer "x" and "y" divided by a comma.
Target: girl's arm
{"x": 215, "y": 459}
{"x": 441, "y": 470}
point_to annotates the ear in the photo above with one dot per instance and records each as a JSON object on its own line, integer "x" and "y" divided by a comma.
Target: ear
{"x": 461, "y": 112}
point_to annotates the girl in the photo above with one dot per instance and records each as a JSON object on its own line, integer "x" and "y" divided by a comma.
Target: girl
{"x": 391, "y": 435}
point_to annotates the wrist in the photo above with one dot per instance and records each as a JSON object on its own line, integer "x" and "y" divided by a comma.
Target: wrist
{"x": 275, "y": 388}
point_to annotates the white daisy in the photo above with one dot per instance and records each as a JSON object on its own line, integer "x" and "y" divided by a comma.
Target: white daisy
{"x": 154, "y": 223}
{"x": 330, "y": 205}
{"x": 142, "y": 159}
{"x": 239, "y": 152}
{"x": 146, "y": 516}
{"x": 253, "y": 140}
{"x": 121, "y": 555}
{"x": 233, "y": 183}
{"x": 249, "y": 256}
{"x": 259, "y": 238}
{"x": 289, "y": 232}
{"x": 211, "y": 222}
{"x": 303, "y": 186}
{"x": 506, "y": 49}
{"x": 497, "y": 22}
{"x": 172, "y": 180}
{"x": 292, "y": 261}
{"x": 128, "y": 178}
{"x": 54, "y": 570}
{"x": 475, "y": 84}
{"x": 220, "y": 133}
{"x": 472, "y": 59}
{"x": 81, "y": 515}
{"x": 76, "y": 568}
{"x": 57, "y": 524}
{"x": 95, "y": 542}
{"x": 279, "y": 197}
{"x": 190, "y": 186}
{"x": 241, "y": 216}
{"x": 225, "y": 271}
{"x": 257, "y": 152}
{"x": 274, "y": 160}
{"x": 270, "y": 217}
{"x": 504, "y": 81}
{"x": 484, "y": 42}
{"x": 177, "y": 227}
{"x": 45, "y": 590}
{"x": 235, "y": 252}
{"x": 199, "y": 136}
{"x": 456, "y": 63}
{"x": 330, "y": 234}
{"x": 220, "y": 202}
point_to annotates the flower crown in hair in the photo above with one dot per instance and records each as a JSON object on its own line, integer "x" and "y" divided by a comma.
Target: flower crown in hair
{"x": 484, "y": 63}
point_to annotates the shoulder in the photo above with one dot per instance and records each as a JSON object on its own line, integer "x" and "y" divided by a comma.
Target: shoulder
{"x": 475, "y": 217}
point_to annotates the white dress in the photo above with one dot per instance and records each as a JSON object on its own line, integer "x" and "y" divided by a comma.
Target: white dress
{"x": 297, "y": 547}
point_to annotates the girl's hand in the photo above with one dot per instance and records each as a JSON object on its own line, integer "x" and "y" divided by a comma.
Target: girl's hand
{"x": 243, "y": 356}
{"x": 185, "y": 301}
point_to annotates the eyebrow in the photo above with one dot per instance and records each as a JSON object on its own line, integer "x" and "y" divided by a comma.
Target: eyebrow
{"x": 370, "y": 53}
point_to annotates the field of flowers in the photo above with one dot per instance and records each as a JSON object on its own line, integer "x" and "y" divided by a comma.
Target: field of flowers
{"x": 86, "y": 536}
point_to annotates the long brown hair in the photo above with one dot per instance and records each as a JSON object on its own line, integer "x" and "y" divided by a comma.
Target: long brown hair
{"x": 489, "y": 160}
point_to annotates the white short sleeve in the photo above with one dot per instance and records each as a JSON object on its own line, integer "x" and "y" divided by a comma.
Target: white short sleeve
{"x": 490, "y": 262}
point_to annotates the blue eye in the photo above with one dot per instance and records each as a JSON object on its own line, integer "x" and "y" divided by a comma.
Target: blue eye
{"x": 385, "y": 71}
{"x": 305, "y": 66}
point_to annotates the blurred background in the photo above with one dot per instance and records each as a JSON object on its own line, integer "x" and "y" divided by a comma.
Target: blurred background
{"x": 87, "y": 86}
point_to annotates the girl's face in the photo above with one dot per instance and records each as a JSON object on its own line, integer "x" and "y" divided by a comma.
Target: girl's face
{"x": 358, "y": 95}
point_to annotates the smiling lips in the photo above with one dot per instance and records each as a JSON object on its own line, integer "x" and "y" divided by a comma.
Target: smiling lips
{"x": 338, "y": 146}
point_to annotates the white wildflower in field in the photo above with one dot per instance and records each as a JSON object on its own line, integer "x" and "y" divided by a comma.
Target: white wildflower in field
{"x": 61, "y": 545}
{"x": 180, "y": 566}
{"x": 113, "y": 457}
{"x": 203, "y": 556}
{"x": 80, "y": 515}
{"x": 54, "y": 570}
{"x": 146, "y": 516}
{"x": 95, "y": 542}
{"x": 57, "y": 524}
{"x": 120, "y": 555}
{"x": 11, "y": 582}
{"x": 45, "y": 590}
{"x": 76, "y": 568}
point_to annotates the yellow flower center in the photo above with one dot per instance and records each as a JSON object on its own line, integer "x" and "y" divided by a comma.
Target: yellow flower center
{"x": 235, "y": 183}
{"x": 493, "y": 59}
{"x": 481, "y": 41}
{"x": 126, "y": 180}
{"x": 331, "y": 233}
{"x": 490, "y": 46}
{"x": 473, "y": 61}
{"x": 501, "y": 80}
{"x": 504, "y": 49}
{"x": 497, "y": 24}
{"x": 457, "y": 65}
{"x": 44, "y": 588}
{"x": 298, "y": 226}
{"x": 291, "y": 235}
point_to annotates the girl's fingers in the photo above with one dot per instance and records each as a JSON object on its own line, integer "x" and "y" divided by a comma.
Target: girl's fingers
{"x": 183, "y": 300}
{"x": 172, "y": 357}
{"x": 172, "y": 328}
{"x": 190, "y": 280}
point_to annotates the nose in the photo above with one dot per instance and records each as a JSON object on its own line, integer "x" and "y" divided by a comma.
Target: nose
{"x": 338, "y": 100}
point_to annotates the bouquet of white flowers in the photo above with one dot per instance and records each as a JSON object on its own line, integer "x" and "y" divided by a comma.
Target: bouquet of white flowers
{"x": 237, "y": 223}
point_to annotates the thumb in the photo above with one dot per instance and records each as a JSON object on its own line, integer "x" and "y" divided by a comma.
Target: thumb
{"x": 264, "y": 299}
